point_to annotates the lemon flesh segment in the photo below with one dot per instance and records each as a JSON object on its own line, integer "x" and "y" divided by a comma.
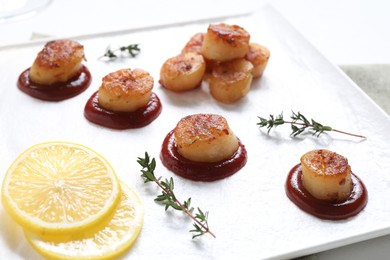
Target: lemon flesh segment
{"x": 106, "y": 241}
{"x": 59, "y": 187}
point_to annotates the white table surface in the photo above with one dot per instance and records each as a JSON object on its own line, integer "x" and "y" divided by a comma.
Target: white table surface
{"x": 345, "y": 31}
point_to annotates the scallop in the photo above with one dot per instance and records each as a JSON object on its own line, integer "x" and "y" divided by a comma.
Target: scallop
{"x": 258, "y": 55}
{"x": 183, "y": 72}
{"x": 125, "y": 90}
{"x": 59, "y": 61}
{"x": 224, "y": 42}
{"x": 230, "y": 81}
{"x": 205, "y": 138}
{"x": 326, "y": 175}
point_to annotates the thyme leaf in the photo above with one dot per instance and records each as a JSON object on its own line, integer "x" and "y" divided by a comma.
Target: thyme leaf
{"x": 299, "y": 123}
{"x": 169, "y": 200}
{"x": 132, "y": 50}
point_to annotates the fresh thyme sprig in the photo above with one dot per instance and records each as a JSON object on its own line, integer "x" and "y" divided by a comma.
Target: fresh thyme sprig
{"x": 168, "y": 197}
{"x": 131, "y": 49}
{"x": 299, "y": 124}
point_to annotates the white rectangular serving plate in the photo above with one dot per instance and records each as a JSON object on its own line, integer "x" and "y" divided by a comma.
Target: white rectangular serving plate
{"x": 249, "y": 212}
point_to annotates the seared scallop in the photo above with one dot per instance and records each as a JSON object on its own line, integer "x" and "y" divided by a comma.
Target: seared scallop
{"x": 125, "y": 90}
{"x": 230, "y": 81}
{"x": 224, "y": 42}
{"x": 194, "y": 44}
{"x": 58, "y": 61}
{"x": 258, "y": 55}
{"x": 205, "y": 138}
{"x": 183, "y": 72}
{"x": 326, "y": 175}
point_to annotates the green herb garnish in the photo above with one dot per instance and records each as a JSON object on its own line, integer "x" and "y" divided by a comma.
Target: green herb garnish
{"x": 168, "y": 197}
{"x": 299, "y": 124}
{"x": 132, "y": 49}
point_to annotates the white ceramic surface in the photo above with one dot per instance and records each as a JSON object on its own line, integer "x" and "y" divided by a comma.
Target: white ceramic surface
{"x": 249, "y": 211}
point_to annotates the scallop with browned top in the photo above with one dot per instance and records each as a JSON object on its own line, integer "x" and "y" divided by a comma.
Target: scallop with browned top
{"x": 326, "y": 175}
{"x": 230, "y": 81}
{"x": 58, "y": 61}
{"x": 258, "y": 55}
{"x": 126, "y": 90}
{"x": 205, "y": 138}
{"x": 224, "y": 42}
{"x": 183, "y": 72}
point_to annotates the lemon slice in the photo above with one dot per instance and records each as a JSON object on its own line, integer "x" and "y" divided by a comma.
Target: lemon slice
{"x": 59, "y": 187}
{"x": 108, "y": 240}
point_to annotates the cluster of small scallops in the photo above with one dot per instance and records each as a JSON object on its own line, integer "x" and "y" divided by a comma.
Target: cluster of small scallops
{"x": 223, "y": 56}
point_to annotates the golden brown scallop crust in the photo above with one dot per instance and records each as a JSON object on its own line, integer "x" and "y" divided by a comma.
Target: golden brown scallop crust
{"x": 183, "y": 72}
{"x": 205, "y": 138}
{"x": 125, "y": 90}
{"x": 233, "y": 35}
{"x": 232, "y": 71}
{"x": 224, "y": 42}
{"x": 56, "y": 53}
{"x": 194, "y": 44}
{"x": 230, "y": 81}
{"x": 127, "y": 82}
{"x": 59, "y": 61}
{"x": 326, "y": 163}
{"x": 326, "y": 175}
{"x": 184, "y": 63}
{"x": 258, "y": 55}
{"x": 202, "y": 127}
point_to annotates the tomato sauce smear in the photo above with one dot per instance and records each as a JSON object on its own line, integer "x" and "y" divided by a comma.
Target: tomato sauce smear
{"x": 329, "y": 210}
{"x": 122, "y": 120}
{"x": 200, "y": 171}
{"x": 58, "y": 91}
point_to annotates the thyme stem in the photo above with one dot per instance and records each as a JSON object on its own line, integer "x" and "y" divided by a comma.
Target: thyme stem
{"x": 334, "y": 130}
{"x": 300, "y": 120}
{"x": 356, "y": 135}
{"x": 132, "y": 49}
{"x": 168, "y": 197}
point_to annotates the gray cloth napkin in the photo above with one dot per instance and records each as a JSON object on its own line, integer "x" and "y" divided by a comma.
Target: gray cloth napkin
{"x": 374, "y": 79}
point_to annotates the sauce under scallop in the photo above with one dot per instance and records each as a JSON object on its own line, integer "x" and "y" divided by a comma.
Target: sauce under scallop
{"x": 124, "y": 100}
{"x": 57, "y": 72}
{"x": 122, "y": 120}
{"x": 195, "y": 149}
{"x": 57, "y": 91}
{"x": 325, "y": 209}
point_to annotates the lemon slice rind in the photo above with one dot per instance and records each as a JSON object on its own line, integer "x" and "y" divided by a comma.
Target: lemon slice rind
{"x": 27, "y": 171}
{"x": 107, "y": 241}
